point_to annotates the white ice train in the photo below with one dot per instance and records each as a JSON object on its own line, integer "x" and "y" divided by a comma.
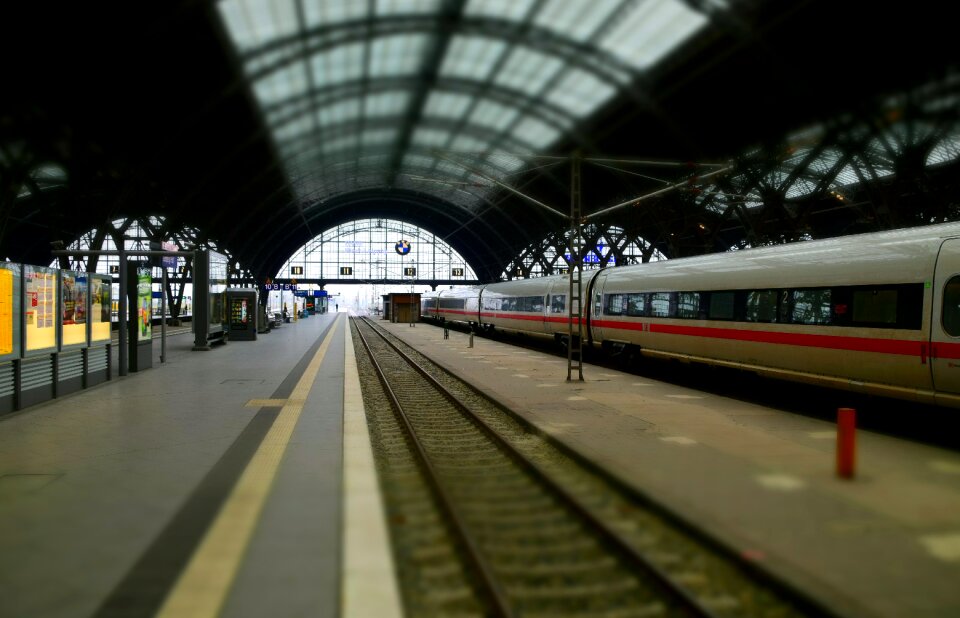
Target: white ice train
{"x": 875, "y": 313}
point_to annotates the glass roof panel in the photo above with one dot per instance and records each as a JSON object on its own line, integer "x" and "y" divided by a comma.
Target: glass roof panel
{"x": 430, "y": 138}
{"x": 339, "y": 64}
{"x": 471, "y": 57}
{"x": 253, "y": 22}
{"x": 282, "y": 84}
{"x": 386, "y": 103}
{"x": 346, "y": 142}
{"x": 301, "y": 124}
{"x": 513, "y": 10}
{"x": 406, "y": 7}
{"x": 577, "y": 20}
{"x": 535, "y": 132}
{"x": 395, "y": 55}
{"x": 652, "y": 30}
{"x": 527, "y": 70}
{"x": 340, "y": 112}
{"x": 413, "y": 160}
{"x": 847, "y": 176}
{"x": 332, "y": 12}
{"x": 493, "y": 115}
{"x": 467, "y": 143}
{"x": 447, "y": 104}
{"x": 378, "y": 137}
{"x": 580, "y": 92}
{"x": 330, "y": 107}
{"x": 945, "y": 151}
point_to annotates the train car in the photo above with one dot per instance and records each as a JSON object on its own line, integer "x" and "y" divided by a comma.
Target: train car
{"x": 530, "y": 306}
{"x": 429, "y": 306}
{"x": 459, "y": 305}
{"x": 876, "y": 313}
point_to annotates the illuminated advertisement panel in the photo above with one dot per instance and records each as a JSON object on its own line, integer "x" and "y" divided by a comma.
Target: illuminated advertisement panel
{"x": 144, "y": 304}
{"x": 39, "y": 309}
{"x": 73, "y": 308}
{"x": 9, "y": 310}
{"x": 218, "y": 284}
{"x": 100, "y": 307}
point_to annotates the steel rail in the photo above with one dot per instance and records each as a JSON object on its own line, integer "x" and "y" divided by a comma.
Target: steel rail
{"x": 489, "y": 581}
{"x": 615, "y": 539}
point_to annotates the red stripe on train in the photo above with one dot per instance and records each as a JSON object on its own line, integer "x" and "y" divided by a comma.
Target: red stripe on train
{"x": 833, "y": 342}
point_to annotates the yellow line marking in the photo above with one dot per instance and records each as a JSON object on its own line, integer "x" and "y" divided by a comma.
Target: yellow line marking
{"x": 266, "y": 403}
{"x": 203, "y": 586}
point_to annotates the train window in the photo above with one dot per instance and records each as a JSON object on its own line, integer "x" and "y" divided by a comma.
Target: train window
{"x": 491, "y": 304}
{"x": 810, "y": 306}
{"x": 950, "y": 313}
{"x": 876, "y": 306}
{"x": 452, "y": 303}
{"x": 688, "y": 304}
{"x": 761, "y": 306}
{"x": 615, "y": 304}
{"x": 661, "y": 305}
{"x": 721, "y": 306}
{"x": 558, "y": 303}
{"x": 636, "y": 305}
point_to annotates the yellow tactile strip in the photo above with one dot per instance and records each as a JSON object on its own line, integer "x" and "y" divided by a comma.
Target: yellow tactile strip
{"x": 266, "y": 403}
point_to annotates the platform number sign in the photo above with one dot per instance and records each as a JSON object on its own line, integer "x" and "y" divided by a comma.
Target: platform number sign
{"x": 296, "y": 270}
{"x": 402, "y": 247}
{"x": 346, "y": 270}
{"x": 114, "y": 269}
{"x": 457, "y": 272}
{"x": 409, "y": 272}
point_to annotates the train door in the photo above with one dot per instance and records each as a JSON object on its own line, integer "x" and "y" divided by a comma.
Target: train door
{"x": 945, "y": 325}
{"x": 596, "y": 307}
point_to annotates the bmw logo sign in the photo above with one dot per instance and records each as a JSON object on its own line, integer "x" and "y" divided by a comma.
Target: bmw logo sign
{"x": 402, "y": 247}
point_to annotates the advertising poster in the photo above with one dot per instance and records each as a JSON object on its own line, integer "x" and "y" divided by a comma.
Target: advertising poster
{"x": 218, "y": 284}
{"x": 238, "y": 314}
{"x": 40, "y": 300}
{"x": 73, "y": 307}
{"x": 144, "y": 304}
{"x": 100, "y": 304}
{"x": 8, "y": 310}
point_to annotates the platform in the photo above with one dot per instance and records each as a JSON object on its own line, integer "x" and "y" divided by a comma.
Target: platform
{"x": 215, "y": 483}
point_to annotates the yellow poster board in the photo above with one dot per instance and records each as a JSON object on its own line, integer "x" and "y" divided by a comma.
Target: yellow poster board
{"x": 6, "y": 312}
{"x": 40, "y": 308}
{"x": 100, "y": 305}
{"x": 73, "y": 310}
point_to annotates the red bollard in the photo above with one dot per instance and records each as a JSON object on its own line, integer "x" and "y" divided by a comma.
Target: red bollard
{"x": 846, "y": 442}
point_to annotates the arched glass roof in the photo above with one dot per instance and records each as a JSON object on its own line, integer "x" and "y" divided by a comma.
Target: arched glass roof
{"x": 371, "y": 94}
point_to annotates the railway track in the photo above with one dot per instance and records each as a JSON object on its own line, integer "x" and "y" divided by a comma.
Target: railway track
{"x": 489, "y": 518}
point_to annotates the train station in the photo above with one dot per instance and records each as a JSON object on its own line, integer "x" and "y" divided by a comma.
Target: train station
{"x": 463, "y": 308}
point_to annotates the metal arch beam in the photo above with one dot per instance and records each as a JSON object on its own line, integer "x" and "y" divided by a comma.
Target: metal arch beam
{"x": 386, "y": 122}
{"x": 345, "y": 209}
{"x": 305, "y": 102}
{"x": 439, "y": 207}
{"x": 449, "y": 16}
{"x": 605, "y": 66}
{"x": 277, "y": 260}
{"x": 466, "y": 209}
